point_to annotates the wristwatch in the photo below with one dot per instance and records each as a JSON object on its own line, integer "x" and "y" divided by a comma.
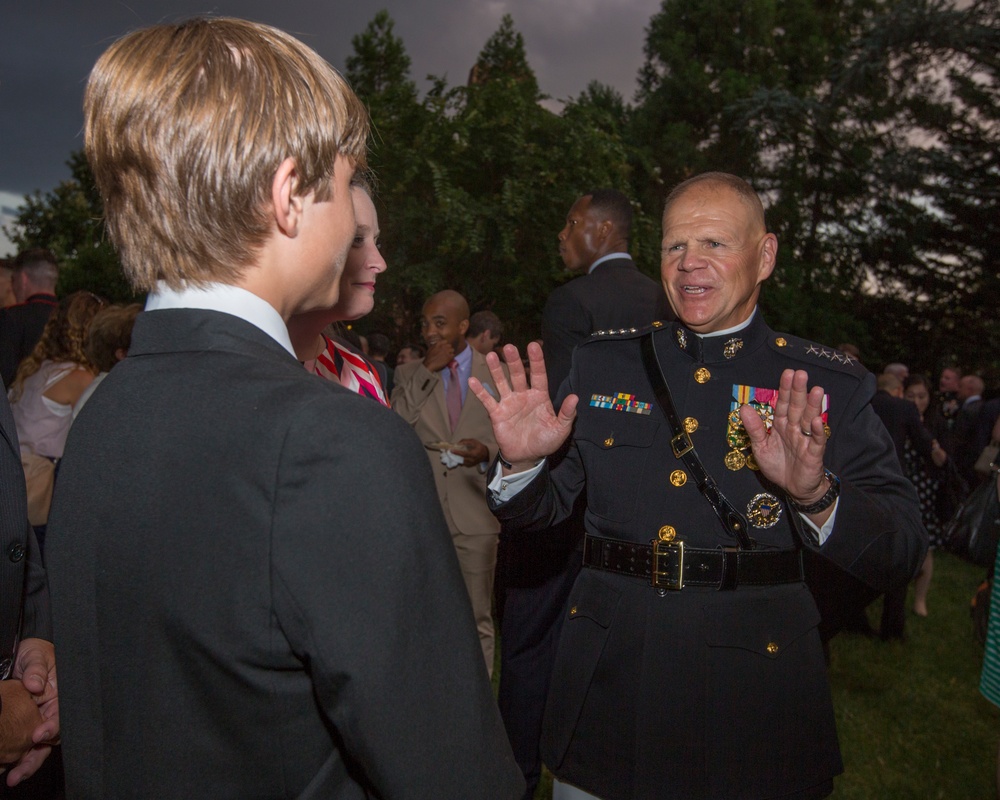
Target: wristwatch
{"x": 825, "y": 501}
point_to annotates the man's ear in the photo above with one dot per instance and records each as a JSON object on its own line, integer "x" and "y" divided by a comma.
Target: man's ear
{"x": 768, "y": 257}
{"x": 286, "y": 202}
{"x": 463, "y": 326}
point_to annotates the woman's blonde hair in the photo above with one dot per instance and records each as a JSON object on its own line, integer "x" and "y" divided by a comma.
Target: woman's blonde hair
{"x": 185, "y": 127}
{"x": 63, "y": 338}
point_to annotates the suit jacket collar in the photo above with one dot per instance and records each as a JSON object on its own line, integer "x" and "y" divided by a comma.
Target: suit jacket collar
{"x": 191, "y": 330}
{"x": 621, "y": 261}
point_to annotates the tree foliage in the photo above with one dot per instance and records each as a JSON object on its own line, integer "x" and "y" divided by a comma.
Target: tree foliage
{"x": 884, "y": 186}
{"x": 68, "y": 221}
{"x": 870, "y": 127}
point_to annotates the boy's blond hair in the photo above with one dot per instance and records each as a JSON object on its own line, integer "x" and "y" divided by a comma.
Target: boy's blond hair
{"x": 185, "y": 128}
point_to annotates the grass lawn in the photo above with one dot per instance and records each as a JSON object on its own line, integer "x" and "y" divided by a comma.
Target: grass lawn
{"x": 912, "y": 723}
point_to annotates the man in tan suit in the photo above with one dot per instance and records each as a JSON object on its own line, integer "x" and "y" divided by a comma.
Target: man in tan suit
{"x": 432, "y": 395}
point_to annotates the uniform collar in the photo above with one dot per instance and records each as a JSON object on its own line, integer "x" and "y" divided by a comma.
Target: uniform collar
{"x": 608, "y": 257}
{"x": 727, "y": 345}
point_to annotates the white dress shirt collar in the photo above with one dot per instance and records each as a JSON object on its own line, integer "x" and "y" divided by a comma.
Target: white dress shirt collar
{"x": 227, "y": 299}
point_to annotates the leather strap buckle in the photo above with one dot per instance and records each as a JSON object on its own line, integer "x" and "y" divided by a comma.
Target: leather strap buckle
{"x": 668, "y": 565}
{"x": 681, "y": 444}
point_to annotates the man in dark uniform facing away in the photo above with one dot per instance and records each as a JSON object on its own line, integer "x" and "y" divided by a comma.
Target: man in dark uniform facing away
{"x": 536, "y": 572}
{"x": 699, "y": 673}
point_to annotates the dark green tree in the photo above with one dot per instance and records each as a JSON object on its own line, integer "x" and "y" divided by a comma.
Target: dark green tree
{"x": 69, "y": 221}
{"x": 479, "y": 187}
{"x": 884, "y": 188}
{"x": 703, "y": 57}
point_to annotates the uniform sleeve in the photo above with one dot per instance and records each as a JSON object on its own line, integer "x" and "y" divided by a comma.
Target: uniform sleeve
{"x": 878, "y": 537}
{"x": 367, "y": 589}
{"x": 565, "y": 323}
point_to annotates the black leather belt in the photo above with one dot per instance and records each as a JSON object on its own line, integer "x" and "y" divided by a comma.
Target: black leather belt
{"x": 672, "y": 565}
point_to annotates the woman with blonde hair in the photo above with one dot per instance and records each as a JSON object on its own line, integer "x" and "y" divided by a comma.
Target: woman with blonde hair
{"x": 323, "y": 354}
{"x": 51, "y": 379}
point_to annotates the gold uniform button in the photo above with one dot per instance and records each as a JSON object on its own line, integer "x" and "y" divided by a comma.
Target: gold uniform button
{"x": 702, "y": 375}
{"x": 678, "y": 477}
{"x": 772, "y": 647}
{"x": 609, "y": 441}
{"x": 781, "y": 341}
{"x": 690, "y": 424}
{"x": 667, "y": 533}
{"x": 572, "y": 611}
{"x": 657, "y": 324}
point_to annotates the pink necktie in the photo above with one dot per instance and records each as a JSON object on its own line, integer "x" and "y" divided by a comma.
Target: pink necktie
{"x": 453, "y": 397}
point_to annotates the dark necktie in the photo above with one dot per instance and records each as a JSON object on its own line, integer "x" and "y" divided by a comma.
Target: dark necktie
{"x": 453, "y": 397}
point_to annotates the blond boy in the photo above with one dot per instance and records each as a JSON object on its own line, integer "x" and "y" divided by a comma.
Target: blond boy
{"x": 253, "y": 588}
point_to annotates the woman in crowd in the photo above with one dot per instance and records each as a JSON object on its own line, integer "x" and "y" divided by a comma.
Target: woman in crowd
{"x": 48, "y": 384}
{"x": 108, "y": 341}
{"x": 928, "y": 477}
{"x": 319, "y": 352}
{"x": 51, "y": 379}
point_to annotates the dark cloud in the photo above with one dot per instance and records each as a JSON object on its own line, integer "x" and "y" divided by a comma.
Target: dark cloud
{"x": 50, "y": 46}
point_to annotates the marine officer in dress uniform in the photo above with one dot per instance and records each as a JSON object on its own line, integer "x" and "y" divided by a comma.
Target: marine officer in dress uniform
{"x": 690, "y": 663}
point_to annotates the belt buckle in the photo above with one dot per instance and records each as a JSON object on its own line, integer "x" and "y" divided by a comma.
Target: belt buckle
{"x": 681, "y": 444}
{"x": 669, "y": 575}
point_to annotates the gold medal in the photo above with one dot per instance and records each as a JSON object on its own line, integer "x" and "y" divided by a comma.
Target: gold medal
{"x": 752, "y": 463}
{"x": 735, "y": 460}
{"x": 764, "y": 510}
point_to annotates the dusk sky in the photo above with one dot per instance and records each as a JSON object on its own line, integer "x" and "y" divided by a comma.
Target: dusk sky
{"x": 49, "y": 46}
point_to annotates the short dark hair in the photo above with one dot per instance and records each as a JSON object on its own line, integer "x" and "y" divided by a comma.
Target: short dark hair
{"x": 615, "y": 206}
{"x": 917, "y": 380}
{"x": 484, "y": 321}
{"x": 378, "y": 345}
{"x": 40, "y": 264}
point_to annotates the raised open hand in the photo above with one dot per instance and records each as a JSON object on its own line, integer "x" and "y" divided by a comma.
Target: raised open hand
{"x": 790, "y": 455}
{"x": 524, "y": 423}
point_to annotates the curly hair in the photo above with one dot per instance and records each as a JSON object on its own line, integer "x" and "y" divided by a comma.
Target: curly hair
{"x": 63, "y": 338}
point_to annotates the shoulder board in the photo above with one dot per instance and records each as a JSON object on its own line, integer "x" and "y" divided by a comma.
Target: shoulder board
{"x": 624, "y": 333}
{"x": 792, "y": 347}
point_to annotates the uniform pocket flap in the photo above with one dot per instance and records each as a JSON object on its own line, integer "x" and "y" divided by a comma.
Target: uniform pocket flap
{"x": 598, "y": 604}
{"x": 765, "y": 625}
{"x": 616, "y": 429}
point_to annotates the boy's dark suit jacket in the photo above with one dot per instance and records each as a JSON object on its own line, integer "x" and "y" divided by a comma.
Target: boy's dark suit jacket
{"x": 255, "y": 592}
